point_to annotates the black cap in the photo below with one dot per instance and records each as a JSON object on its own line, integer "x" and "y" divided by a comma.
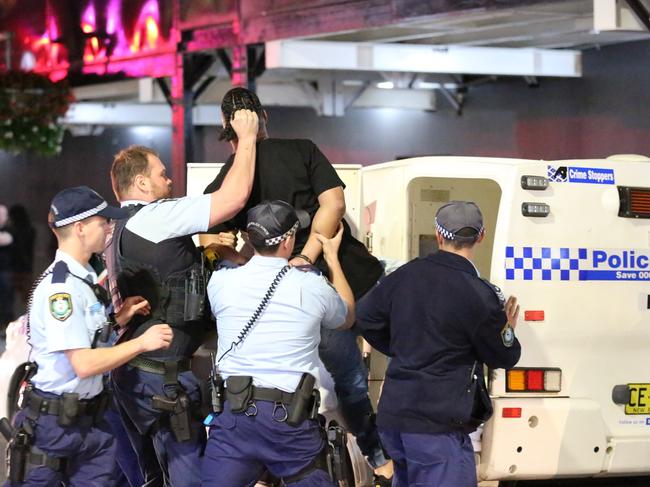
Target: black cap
{"x": 456, "y": 216}
{"x": 270, "y": 222}
{"x": 78, "y": 203}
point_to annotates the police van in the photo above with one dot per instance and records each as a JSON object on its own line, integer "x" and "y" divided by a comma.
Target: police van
{"x": 571, "y": 239}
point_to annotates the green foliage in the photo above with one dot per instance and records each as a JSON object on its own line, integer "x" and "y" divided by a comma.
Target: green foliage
{"x": 30, "y": 108}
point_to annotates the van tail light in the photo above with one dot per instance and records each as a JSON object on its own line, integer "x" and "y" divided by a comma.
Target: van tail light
{"x": 534, "y": 380}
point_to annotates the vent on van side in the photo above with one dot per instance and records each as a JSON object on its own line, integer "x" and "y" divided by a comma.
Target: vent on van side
{"x": 634, "y": 202}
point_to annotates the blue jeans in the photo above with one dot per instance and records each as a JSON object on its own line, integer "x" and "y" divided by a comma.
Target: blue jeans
{"x": 341, "y": 356}
{"x": 431, "y": 460}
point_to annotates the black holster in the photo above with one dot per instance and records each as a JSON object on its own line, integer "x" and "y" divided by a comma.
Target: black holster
{"x": 69, "y": 408}
{"x": 337, "y": 453}
{"x": 180, "y": 414}
{"x": 305, "y": 402}
{"x": 17, "y": 456}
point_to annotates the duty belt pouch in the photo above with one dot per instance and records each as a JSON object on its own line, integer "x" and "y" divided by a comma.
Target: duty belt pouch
{"x": 69, "y": 408}
{"x": 301, "y": 404}
{"x": 239, "y": 392}
{"x": 102, "y": 405}
{"x": 194, "y": 295}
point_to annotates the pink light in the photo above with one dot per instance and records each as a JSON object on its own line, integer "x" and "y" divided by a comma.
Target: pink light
{"x": 89, "y": 16}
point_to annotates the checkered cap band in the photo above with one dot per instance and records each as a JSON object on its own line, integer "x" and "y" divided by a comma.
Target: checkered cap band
{"x": 276, "y": 240}
{"x": 444, "y": 232}
{"x": 81, "y": 216}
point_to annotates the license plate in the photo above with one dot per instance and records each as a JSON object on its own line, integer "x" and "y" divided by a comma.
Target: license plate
{"x": 639, "y": 399}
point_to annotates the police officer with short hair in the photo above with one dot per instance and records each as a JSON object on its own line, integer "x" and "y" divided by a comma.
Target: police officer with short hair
{"x": 152, "y": 254}
{"x": 440, "y": 323}
{"x": 269, "y": 316}
{"x": 61, "y": 434}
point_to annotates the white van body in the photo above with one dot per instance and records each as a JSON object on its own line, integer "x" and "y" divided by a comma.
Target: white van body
{"x": 584, "y": 266}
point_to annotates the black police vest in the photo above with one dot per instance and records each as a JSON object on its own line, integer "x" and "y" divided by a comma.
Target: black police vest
{"x": 159, "y": 272}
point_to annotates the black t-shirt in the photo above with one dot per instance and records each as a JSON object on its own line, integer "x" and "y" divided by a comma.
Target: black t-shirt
{"x": 296, "y": 171}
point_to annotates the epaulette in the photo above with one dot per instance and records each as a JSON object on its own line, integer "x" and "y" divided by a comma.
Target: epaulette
{"x": 497, "y": 290}
{"x": 309, "y": 268}
{"x": 59, "y": 272}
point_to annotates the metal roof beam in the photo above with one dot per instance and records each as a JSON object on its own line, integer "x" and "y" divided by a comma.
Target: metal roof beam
{"x": 351, "y": 56}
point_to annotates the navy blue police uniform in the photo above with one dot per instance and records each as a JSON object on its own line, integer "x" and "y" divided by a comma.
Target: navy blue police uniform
{"x": 440, "y": 323}
{"x": 61, "y": 434}
{"x": 152, "y": 255}
{"x": 269, "y": 363}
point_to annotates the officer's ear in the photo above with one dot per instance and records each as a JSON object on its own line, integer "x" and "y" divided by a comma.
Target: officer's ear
{"x": 141, "y": 182}
{"x": 481, "y": 236}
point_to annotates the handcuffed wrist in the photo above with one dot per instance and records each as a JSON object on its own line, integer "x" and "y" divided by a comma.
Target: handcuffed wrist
{"x": 305, "y": 258}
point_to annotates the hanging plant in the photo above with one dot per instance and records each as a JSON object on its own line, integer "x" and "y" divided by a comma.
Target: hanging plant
{"x": 31, "y": 106}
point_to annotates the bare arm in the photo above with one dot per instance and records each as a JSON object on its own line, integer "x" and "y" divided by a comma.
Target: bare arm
{"x": 330, "y": 253}
{"x": 325, "y": 222}
{"x": 87, "y": 362}
{"x": 237, "y": 185}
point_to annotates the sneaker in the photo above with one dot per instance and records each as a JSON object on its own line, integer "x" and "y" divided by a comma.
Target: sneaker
{"x": 381, "y": 481}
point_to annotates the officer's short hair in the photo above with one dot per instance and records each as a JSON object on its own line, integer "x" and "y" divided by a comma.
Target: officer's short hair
{"x": 238, "y": 99}
{"x": 61, "y": 232}
{"x": 468, "y": 238}
{"x": 127, "y": 164}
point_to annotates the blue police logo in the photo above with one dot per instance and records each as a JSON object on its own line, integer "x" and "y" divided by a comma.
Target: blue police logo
{"x": 570, "y": 264}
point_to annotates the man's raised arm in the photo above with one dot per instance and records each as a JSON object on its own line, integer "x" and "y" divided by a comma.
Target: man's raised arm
{"x": 236, "y": 187}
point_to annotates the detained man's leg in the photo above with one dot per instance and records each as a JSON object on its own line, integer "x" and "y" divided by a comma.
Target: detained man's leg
{"x": 341, "y": 356}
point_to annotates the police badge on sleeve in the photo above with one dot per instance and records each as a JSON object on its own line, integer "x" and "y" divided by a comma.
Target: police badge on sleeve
{"x": 508, "y": 335}
{"x": 61, "y": 306}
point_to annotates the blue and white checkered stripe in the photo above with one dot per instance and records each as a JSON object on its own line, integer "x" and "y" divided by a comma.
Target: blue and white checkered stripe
{"x": 544, "y": 263}
{"x": 554, "y": 175}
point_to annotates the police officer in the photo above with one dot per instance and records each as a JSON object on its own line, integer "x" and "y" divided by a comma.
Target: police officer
{"x": 61, "y": 435}
{"x": 296, "y": 171}
{"x": 269, "y": 316}
{"x": 440, "y": 323}
{"x": 152, "y": 254}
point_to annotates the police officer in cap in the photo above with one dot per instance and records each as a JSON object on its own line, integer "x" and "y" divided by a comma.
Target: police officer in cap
{"x": 269, "y": 315}
{"x": 440, "y": 323}
{"x": 152, "y": 254}
{"x": 61, "y": 435}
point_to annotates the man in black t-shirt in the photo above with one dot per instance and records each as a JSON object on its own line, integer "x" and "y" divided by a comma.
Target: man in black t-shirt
{"x": 296, "y": 171}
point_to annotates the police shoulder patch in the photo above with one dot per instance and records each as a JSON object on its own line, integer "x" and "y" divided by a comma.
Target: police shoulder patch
{"x": 508, "y": 335}
{"x": 61, "y": 306}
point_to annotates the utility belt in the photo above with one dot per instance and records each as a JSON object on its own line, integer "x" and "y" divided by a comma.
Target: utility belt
{"x": 175, "y": 401}
{"x": 290, "y": 407}
{"x": 22, "y": 455}
{"x": 67, "y": 406}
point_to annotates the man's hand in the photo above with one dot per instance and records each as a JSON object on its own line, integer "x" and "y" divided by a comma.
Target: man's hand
{"x": 227, "y": 239}
{"x": 133, "y": 305}
{"x": 511, "y": 309}
{"x": 245, "y": 124}
{"x": 331, "y": 245}
{"x": 155, "y": 338}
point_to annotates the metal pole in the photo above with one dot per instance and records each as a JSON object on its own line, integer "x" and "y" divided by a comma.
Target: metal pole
{"x": 179, "y": 120}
